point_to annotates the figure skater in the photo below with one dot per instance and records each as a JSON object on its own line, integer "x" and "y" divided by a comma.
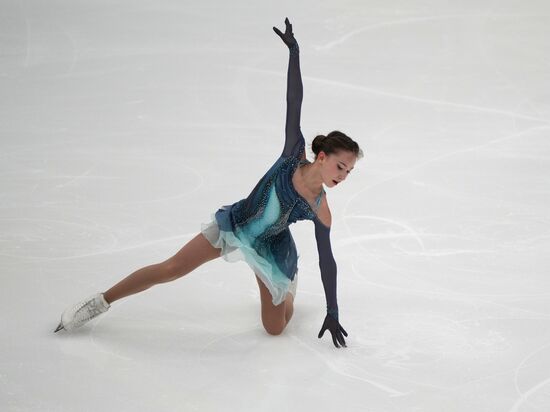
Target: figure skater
{"x": 255, "y": 229}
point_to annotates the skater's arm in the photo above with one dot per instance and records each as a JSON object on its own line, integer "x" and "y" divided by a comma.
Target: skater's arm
{"x": 328, "y": 275}
{"x": 294, "y": 92}
{"x": 327, "y": 264}
{"x": 294, "y": 96}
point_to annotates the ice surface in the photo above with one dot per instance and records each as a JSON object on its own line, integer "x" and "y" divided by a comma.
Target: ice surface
{"x": 124, "y": 125}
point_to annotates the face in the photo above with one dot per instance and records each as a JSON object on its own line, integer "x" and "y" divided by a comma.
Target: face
{"x": 336, "y": 167}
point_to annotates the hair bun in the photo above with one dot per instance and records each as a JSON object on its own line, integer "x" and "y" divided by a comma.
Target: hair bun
{"x": 317, "y": 143}
{"x": 334, "y": 142}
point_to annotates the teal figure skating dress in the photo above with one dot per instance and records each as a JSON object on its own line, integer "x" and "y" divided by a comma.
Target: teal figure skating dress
{"x": 256, "y": 229}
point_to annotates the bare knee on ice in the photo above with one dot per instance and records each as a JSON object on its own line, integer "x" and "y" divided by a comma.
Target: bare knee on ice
{"x": 274, "y": 328}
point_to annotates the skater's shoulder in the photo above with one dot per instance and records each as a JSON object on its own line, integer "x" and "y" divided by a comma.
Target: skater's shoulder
{"x": 323, "y": 212}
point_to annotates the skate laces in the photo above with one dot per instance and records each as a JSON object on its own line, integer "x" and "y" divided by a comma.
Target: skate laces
{"x": 89, "y": 310}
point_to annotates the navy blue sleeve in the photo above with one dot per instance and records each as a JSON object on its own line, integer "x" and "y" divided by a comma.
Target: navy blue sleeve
{"x": 294, "y": 96}
{"x": 327, "y": 264}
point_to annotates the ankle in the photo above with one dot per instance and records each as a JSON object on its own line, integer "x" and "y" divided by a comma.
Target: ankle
{"x": 108, "y": 298}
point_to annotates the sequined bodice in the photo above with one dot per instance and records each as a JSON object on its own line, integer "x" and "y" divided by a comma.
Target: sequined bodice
{"x": 274, "y": 200}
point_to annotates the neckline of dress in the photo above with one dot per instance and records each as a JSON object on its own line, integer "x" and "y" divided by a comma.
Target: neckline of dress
{"x": 302, "y": 161}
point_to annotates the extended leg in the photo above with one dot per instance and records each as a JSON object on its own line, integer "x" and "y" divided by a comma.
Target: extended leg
{"x": 196, "y": 252}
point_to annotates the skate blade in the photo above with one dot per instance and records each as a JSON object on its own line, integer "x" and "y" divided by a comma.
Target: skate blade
{"x": 59, "y": 327}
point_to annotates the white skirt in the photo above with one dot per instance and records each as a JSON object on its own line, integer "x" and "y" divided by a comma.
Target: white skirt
{"x": 232, "y": 253}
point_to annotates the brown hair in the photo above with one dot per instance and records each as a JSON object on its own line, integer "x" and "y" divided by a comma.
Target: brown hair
{"x": 334, "y": 142}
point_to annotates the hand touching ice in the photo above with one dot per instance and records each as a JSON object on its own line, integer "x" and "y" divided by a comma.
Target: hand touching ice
{"x": 335, "y": 329}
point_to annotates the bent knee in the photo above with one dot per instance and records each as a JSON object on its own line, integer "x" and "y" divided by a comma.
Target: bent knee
{"x": 275, "y": 328}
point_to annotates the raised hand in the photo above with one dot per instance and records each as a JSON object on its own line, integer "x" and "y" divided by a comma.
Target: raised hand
{"x": 335, "y": 329}
{"x": 288, "y": 36}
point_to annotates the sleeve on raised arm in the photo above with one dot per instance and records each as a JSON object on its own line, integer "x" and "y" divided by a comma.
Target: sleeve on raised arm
{"x": 327, "y": 264}
{"x": 294, "y": 96}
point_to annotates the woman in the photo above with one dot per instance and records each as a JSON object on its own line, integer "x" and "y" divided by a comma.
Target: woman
{"x": 255, "y": 229}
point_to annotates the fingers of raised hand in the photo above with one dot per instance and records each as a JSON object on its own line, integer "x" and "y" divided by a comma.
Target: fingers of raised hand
{"x": 288, "y": 27}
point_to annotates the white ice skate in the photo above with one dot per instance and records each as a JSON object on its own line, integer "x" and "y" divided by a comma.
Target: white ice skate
{"x": 77, "y": 315}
